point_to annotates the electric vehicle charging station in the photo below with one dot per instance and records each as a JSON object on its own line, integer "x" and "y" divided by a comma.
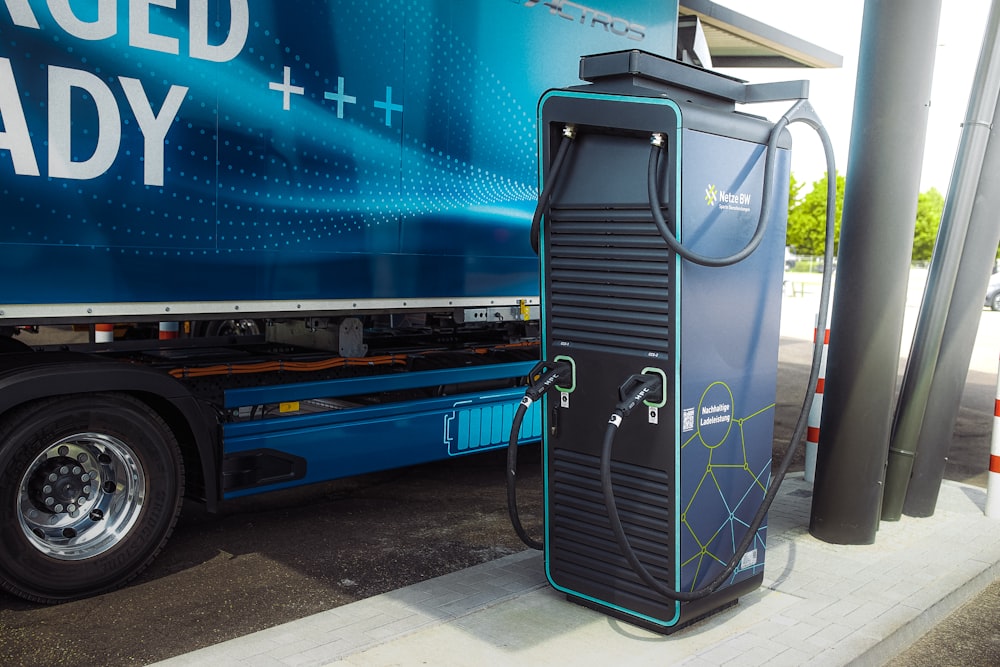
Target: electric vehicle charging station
{"x": 662, "y": 265}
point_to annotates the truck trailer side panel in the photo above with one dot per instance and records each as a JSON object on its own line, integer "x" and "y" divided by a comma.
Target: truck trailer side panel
{"x": 265, "y": 157}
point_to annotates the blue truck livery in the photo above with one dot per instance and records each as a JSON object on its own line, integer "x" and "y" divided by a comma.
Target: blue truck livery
{"x": 306, "y": 224}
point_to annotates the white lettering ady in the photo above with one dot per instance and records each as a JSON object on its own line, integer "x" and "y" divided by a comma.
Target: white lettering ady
{"x": 154, "y": 127}
{"x": 15, "y": 137}
{"x": 62, "y": 81}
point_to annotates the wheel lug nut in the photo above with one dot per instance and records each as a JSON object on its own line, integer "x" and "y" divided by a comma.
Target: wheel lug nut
{"x": 50, "y": 501}
{"x": 86, "y": 490}
{"x": 85, "y": 478}
{"x": 81, "y": 458}
{"x": 47, "y": 488}
{"x": 53, "y": 477}
{"x": 58, "y": 508}
{"x": 77, "y": 470}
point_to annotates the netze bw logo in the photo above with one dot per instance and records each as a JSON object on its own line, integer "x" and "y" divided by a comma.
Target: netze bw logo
{"x": 727, "y": 200}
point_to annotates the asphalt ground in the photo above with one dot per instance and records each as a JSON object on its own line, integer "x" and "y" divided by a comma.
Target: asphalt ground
{"x": 272, "y": 559}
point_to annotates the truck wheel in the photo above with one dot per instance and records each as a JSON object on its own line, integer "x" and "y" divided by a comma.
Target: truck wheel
{"x": 90, "y": 490}
{"x": 243, "y": 327}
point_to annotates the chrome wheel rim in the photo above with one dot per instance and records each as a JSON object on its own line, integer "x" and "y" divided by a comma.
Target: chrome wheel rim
{"x": 81, "y": 496}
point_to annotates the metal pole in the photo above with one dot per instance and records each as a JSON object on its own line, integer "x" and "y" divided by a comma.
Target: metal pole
{"x": 934, "y": 310}
{"x": 898, "y": 39}
{"x": 937, "y": 430}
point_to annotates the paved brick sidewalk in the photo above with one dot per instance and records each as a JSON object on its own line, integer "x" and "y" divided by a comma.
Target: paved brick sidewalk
{"x": 821, "y": 604}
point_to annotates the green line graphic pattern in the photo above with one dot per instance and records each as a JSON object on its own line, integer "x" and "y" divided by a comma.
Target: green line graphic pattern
{"x": 725, "y": 497}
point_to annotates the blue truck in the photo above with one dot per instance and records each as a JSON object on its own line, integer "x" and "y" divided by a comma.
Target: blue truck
{"x": 296, "y": 234}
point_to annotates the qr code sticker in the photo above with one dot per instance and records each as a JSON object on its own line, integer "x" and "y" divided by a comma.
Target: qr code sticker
{"x": 687, "y": 419}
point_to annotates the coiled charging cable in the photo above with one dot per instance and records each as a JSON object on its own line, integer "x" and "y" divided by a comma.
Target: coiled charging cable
{"x": 800, "y": 112}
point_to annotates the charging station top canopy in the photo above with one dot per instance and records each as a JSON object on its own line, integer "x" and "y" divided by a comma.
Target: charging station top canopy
{"x": 646, "y": 69}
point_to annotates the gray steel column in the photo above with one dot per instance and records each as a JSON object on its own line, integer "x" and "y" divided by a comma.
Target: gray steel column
{"x": 896, "y": 60}
{"x": 935, "y": 309}
{"x": 937, "y": 429}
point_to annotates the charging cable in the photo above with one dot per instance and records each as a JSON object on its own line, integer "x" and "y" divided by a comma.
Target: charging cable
{"x": 801, "y": 111}
{"x": 630, "y": 390}
{"x": 545, "y": 376}
{"x": 555, "y": 171}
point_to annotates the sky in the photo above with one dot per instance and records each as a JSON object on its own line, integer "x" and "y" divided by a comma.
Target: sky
{"x": 836, "y": 26}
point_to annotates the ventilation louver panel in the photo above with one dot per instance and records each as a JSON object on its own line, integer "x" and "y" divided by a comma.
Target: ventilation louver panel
{"x": 583, "y": 548}
{"x": 609, "y": 277}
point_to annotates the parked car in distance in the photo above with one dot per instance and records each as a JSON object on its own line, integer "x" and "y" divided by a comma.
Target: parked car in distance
{"x": 993, "y": 292}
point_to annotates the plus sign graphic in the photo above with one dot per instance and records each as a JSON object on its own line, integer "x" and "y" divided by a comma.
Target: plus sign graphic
{"x": 388, "y": 106}
{"x": 340, "y": 97}
{"x": 287, "y": 89}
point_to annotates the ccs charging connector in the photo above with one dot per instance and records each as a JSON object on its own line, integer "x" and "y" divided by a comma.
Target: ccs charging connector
{"x": 544, "y": 377}
{"x": 639, "y": 389}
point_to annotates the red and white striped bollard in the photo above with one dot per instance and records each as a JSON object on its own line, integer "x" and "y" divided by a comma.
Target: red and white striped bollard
{"x": 993, "y": 476}
{"x": 816, "y": 411}
{"x": 104, "y": 333}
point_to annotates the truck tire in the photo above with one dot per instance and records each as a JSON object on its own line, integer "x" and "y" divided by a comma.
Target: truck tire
{"x": 90, "y": 490}
{"x": 8, "y": 344}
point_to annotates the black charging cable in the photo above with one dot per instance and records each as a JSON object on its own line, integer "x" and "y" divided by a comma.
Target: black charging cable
{"x": 555, "y": 171}
{"x": 544, "y": 377}
{"x": 800, "y": 112}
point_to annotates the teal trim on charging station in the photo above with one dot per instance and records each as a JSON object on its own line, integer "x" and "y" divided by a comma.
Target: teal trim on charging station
{"x": 543, "y": 310}
{"x": 678, "y": 328}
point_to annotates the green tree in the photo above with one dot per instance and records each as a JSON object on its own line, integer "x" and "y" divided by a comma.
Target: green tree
{"x": 807, "y": 217}
{"x": 930, "y": 205}
{"x": 794, "y": 190}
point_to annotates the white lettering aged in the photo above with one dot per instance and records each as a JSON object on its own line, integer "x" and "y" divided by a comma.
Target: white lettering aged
{"x": 140, "y": 34}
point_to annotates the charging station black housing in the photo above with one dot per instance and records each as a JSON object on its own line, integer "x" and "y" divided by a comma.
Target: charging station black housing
{"x": 691, "y": 469}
